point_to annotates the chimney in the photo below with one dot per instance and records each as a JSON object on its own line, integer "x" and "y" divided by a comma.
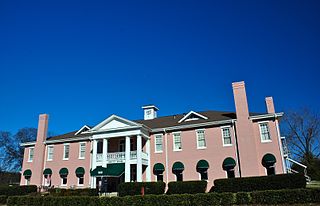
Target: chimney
{"x": 150, "y": 112}
{"x": 240, "y": 99}
{"x": 39, "y": 150}
{"x": 270, "y": 105}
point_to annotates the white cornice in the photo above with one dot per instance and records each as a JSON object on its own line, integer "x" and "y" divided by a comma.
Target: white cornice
{"x": 67, "y": 140}
{"x": 264, "y": 116}
{"x": 27, "y": 144}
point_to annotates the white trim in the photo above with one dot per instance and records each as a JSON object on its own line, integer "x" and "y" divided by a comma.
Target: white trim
{"x": 263, "y": 116}
{"x": 67, "y": 140}
{"x": 29, "y": 159}
{"x": 190, "y": 113}
{"x": 85, "y": 146}
{"x": 197, "y": 137}
{"x": 51, "y": 146}
{"x": 61, "y": 183}
{"x": 80, "y": 185}
{"x": 155, "y": 143}
{"x": 267, "y": 140}
{"x": 64, "y": 151}
{"x": 174, "y": 149}
{"x": 27, "y": 144}
{"x": 109, "y": 119}
{"x": 82, "y": 128}
{"x": 223, "y": 144}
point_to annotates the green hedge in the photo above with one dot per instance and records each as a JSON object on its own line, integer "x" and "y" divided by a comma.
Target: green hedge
{"x": 187, "y": 187}
{"x": 3, "y": 199}
{"x": 134, "y": 188}
{"x": 73, "y": 192}
{"x": 249, "y": 184}
{"x": 17, "y": 190}
{"x": 288, "y": 196}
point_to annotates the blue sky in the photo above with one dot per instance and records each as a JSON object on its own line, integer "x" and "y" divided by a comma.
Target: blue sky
{"x": 81, "y": 61}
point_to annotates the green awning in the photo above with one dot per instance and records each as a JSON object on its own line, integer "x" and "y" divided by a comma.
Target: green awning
{"x": 178, "y": 166}
{"x": 158, "y": 168}
{"x": 27, "y": 173}
{"x": 80, "y": 171}
{"x": 64, "y": 171}
{"x": 228, "y": 164}
{"x": 202, "y": 164}
{"x": 268, "y": 160}
{"x": 112, "y": 170}
{"x": 47, "y": 171}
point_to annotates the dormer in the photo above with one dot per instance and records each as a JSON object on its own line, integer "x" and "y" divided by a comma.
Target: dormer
{"x": 150, "y": 112}
{"x": 191, "y": 116}
{"x": 82, "y": 129}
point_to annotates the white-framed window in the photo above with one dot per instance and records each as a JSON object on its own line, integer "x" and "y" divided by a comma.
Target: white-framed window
{"x": 31, "y": 154}
{"x": 158, "y": 143}
{"x": 177, "y": 145}
{"x": 264, "y": 132}
{"x": 64, "y": 181}
{"x": 201, "y": 139}
{"x": 66, "y": 151}
{"x": 50, "y": 153}
{"x": 27, "y": 181}
{"x": 81, "y": 180}
{"x": 226, "y": 136}
{"x": 82, "y": 150}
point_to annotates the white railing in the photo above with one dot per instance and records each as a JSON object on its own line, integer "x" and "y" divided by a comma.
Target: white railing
{"x": 290, "y": 170}
{"x": 99, "y": 157}
{"x": 116, "y": 156}
{"x": 120, "y": 157}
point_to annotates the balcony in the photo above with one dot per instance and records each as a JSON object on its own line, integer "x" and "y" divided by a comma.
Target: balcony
{"x": 120, "y": 157}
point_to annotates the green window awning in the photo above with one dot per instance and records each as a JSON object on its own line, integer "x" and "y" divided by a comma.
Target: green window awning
{"x": 47, "y": 171}
{"x": 178, "y": 166}
{"x": 228, "y": 164}
{"x": 202, "y": 164}
{"x": 268, "y": 160}
{"x": 27, "y": 173}
{"x": 112, "y": 170}
{"x": 64, "y": 171}
{"x": 79, "y": 171}
{"x": 158, "y": 168}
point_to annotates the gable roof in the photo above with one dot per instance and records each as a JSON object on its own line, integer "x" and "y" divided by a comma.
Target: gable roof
{"x": 192, "y": 114}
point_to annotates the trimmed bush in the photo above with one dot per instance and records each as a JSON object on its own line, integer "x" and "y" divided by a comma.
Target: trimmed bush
{"x": 249, "y": 184}
{"x": 187, "y": 187}
{"x": 73, "y": 192}
{"x": 17, "y": 190}
{"x": 3, "y": 199}
{"x": 243, "y": 198}
{"x": 134, "y": 188}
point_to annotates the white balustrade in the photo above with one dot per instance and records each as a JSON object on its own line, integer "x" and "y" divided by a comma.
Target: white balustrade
{"x": 99, "y": 157}
{"x": 119, "y": 157}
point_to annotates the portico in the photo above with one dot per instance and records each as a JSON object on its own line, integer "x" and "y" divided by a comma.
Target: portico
{"x": 120, "y": 141}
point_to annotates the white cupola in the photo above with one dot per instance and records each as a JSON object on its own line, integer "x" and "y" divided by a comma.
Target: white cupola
{"x": 150, "y": 111}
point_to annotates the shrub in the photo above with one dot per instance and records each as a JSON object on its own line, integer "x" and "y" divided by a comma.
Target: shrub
{"x": 3, "y": 199}
{"x": 134, "y": 188}
{"x": 286, "y": 196}
{"x": 249, "y": 184}
{"x": 187, "y": 187}
{"x": 73, "y": 192}
{"x": 243, "y": 198}
{"x": 17, "y": 190}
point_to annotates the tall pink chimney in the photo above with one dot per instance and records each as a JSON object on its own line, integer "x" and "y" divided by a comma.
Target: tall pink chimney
{"x": 244, "y": 128}
{"x": 270, "y": 105}
{"x": 39, "y": 150}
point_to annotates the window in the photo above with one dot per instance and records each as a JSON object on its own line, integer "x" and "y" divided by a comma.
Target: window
{"x": 82, "y": 150}
{"x": 122, "y": 145}
{"x": 160, "y": 178}
{"x": 64, "y": 180}
{"x": 81, "y": 180}
{"x": 201, "y": 139}
{"x": 158, "y": 143}
{"x": 230, "y": 174}
{"x": 264, "y": 132}
{"x": 100, "y": 147}
{"x": 66, "y": 148}
{"x": 177, "y": 146}
{"x": 31, "y": 154}
{"x": 50, "y": 153}
{"x": 226, "y": 135}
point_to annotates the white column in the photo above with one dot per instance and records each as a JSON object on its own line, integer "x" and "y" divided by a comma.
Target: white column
{"x": 148, "y": 170}
{"x": 104, "y": 152}
{"x": 127, "y": 163}
{"x": 139, "y": 158}
{"x": 94, "y": 161}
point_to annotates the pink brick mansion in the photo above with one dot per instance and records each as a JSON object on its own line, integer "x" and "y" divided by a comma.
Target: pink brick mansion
{"x": 193, "y": 146}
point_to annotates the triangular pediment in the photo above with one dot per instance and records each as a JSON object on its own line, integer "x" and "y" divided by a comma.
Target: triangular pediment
{"x": 192, "y": 116}
{"x": 114, "y": 122}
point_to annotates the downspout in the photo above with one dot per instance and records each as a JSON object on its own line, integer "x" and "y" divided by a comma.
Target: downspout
{"x": 284, "y": 169}
{"x": 237, "y": 146}
{"x": 166, "y": 156}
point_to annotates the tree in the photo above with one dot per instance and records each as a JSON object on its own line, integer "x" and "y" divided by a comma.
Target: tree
{"x": 11, "y": 151}
{"x": 302, "y": 130}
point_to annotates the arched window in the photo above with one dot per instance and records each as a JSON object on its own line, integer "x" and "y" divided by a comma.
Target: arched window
{"x": 202, "y": 168}
{"x": 64, "y": 174}
{"x": 177, "y": 169}
{"x": 80, "y": 175}
{"x": 158, "y": 170}
{"x": 47, "y": 175}
{"x": 228, "y": 165}
{"x": 27, "y": 175}
{"x": 268, "y": 161}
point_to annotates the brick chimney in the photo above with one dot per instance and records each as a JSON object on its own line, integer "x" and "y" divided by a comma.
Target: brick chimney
{"x": 39, "y": 150}
{"x": 244, "y": 128}
{"x": 270, "y": 105}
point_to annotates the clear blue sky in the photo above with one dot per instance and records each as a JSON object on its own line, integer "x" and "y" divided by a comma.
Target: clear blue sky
{"x": 81, "y": 61}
